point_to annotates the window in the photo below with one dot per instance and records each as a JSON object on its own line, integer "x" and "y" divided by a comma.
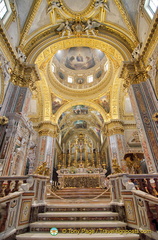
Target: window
{"x": 53, "y": 68}
{"x": 151, "y": 7}
{"x": 106, "y": 67}
{"x": 90, "y": 79}
{"x": 69, "y": 79}
{"x": 3, "y": 9}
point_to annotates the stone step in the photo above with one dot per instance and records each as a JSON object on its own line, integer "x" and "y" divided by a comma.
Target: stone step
{"x": 78, "y": 196}
{"x": 77, "y": 207}
{"x": 94, "y": 236}
{"x": 44, "y": 226}
{"x": 77, "y": 216}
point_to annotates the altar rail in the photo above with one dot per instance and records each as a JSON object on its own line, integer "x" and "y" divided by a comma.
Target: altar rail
{"x": 139, "y": 195}
{"x": 26, "y": 196}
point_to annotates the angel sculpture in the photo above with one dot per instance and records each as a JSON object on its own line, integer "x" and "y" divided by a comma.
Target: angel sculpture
{"x": 21, "y": 55}
{"x": 65, "y": 29}
{"x": 91, "y": 26}
{"x": 53, "y": 5}
{"x": 136, "y": 52}
{"x": 103, "y": 4}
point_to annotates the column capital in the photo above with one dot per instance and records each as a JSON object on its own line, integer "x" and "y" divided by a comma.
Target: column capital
{"x": 115, "y": 126}
{"x": 134, "y": 72}
{"x": 48, "y": 128}
{"x": 25, "y": 75}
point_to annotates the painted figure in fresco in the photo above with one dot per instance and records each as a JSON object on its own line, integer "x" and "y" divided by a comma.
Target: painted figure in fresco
{"x": 79, "y": 58}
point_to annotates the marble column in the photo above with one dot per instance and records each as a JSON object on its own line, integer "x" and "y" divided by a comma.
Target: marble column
{"x": 144, "y": 104}
{"x": 116, "y": 141}
{"x": 48, "y": 133}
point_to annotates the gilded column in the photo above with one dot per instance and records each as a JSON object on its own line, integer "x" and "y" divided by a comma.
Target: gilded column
{"x": 144, "y": 104}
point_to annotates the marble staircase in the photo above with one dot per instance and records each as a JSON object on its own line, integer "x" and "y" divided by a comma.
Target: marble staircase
{"x": 81, "y": 219}
{"x": 81, "y": 193}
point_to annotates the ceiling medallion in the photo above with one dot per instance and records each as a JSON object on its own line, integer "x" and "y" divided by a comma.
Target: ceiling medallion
{"x": 78, "y": 27}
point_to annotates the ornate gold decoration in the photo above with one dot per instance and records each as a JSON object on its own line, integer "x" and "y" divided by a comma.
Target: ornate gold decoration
{"x": 116, "y": 167}
{"x": 133, "y": 163}
{"x": 151, "y": 42}
{"x": 29, "y": 20}
{"x": 25, "y": 75}
{"x": 3, "y": 120}
{"x": 115, "y": 127}
{"x": 134, "y": 73}
{"x": 155, "y": 117}
{"x": 48, "y": 129}
{"x": 42, "y": 170}
{"x": 78, "y": 27}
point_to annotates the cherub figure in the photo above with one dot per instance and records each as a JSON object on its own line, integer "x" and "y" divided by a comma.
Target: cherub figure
{"x": 103, "y": 4}
{"x": 53, "y": 5}
{"x": 90, "y": 28}
{"x": 65, "y": 29}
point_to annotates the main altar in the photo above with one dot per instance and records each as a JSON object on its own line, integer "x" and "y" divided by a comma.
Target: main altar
{"x": 81, "y": 165}
{"x": 81, "y": 177}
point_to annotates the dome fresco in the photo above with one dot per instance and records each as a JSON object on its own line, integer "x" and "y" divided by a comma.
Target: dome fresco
{"x": 79, "y": 67}
{"x": 79, "y": 58}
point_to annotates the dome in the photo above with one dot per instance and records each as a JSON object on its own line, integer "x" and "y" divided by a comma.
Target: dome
{"x": 79, "y": 67}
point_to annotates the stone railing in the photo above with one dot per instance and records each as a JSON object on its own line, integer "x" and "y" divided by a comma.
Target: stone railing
{"x": 145, "y": 182}
{"x": 138, "y": 194}
{"x": 20, "y": 194}
{"x": 11, "y": 184}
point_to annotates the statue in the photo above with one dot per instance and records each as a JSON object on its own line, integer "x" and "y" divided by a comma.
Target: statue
{"x": 101, "y": 3}
{"x": 116, "y": 167}
{"x": 53, "y": 5}
{"x": 42, "y": 170}
{"x": 21, "y": 55}
{"x": 91, "y": 26}
{"x": 65, "y": 29}
{"x": 3, "y": 120}
{"x": 136, "y": 52}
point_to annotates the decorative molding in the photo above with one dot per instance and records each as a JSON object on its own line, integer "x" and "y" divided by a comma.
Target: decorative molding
{"x": 127, "y": 20}
{"x": 134, "y": 73}
{"x": 29, "y": 21}
{"x": 48, "y": 129}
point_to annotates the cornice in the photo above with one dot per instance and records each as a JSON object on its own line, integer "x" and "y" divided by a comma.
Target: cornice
{"x": 107, "y": 32}
{"x": 151, "y": 41}
{"x": 4, "y": 38}
{"x": 29, "y": 21}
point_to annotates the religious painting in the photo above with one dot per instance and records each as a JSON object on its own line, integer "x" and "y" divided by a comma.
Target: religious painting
{"x": 79, "y": 58}
{"x": 104, "y": 102}
{"x": 80, "y": 109}
{"x": 61, "y": 117}
{"x": 98, "y": 115}
{"x": 56, "y": 103}
{"x": 80, "y": 124}
{"x": 97, "y": 131}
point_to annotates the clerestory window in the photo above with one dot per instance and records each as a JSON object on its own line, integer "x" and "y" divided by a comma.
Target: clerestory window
{"x": 3, "y": 9}
{"x": 151, "y": 7}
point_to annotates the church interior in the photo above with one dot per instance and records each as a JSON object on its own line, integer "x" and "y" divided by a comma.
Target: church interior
{"x": 78, "y": 119}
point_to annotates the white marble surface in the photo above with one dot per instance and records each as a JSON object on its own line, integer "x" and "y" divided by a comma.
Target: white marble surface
{"x": 77, "y": 6}
{"x": 78, "y": 224}
{"x": 78, "y": 214}
{"x": 47, "y": 236}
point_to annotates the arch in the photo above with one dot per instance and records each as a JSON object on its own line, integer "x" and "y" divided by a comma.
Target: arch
{"x": 81, "y": 102}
